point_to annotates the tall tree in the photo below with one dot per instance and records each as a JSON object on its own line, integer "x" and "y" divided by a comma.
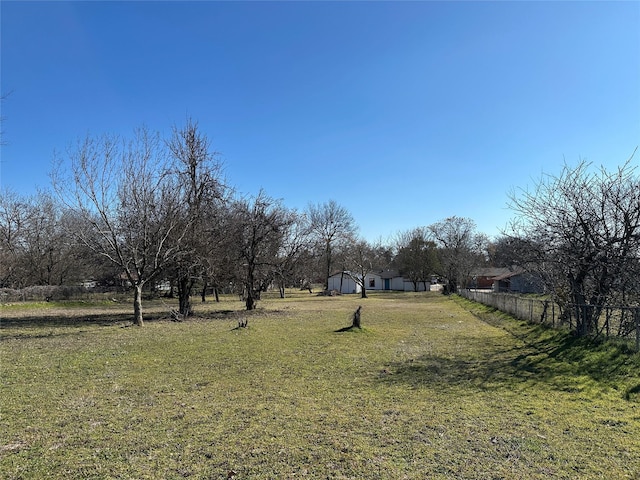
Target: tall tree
{"x": 460, "y": 249}
{"x": 126, "y": 203}
{"x": 14, "y": 213}
{"x": 202, "y": 194}
{"x": 258, "y": 225}
{"x": 47, "y": 251}
{"x": 332, "y": 226}
{"x": 33, "y": 247}
{"x": 416, "y": 257}
{"x": 294, "y": 251}
{"x": 583, "y": 232}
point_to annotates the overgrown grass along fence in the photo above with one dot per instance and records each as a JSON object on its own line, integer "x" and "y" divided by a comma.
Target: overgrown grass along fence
{"x": 610, "y": 321}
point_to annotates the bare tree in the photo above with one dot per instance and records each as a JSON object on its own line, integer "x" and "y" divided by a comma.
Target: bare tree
{"x": 294, "y": 250}
{"x": 202, "y": 195}
{"x": 332, "y": 226}
{"x": 48, "y": 258}
{"x": 259, "y": 225}
{"x": 127, "y": 204}
{"x": 14, "y": 213}
{"x": 582, "y": 228}
{"x": 417, "y": 257}
{"x": 33, "y": 246}
{"x": 507, "y": 251}
{"x": 459, "y": 249}
{"x": 361, "y": 258}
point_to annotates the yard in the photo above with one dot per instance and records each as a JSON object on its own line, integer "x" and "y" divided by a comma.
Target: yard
{"x": 425, "y": 390}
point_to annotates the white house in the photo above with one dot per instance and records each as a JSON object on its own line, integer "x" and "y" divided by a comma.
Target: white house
{"x": 344, "y": 282}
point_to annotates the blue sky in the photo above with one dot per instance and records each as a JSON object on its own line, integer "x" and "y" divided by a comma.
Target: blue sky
{"x": 405, "y": 113}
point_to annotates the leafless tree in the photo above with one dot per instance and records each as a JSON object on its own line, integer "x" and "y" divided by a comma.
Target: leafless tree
{"x": 294, "y": 251}
{"x": 33, "y": 246}
{"x": 14, "y": 213}
{"x": 258, "y": 225}
{"x": 460, "y": 249}
{"x": 332, "y": 226}
{"x": 127, "y": 203}
{"x": 583, "y": 231}
{"x": 202, "y": 195}
{"x": 507, "y": 251}
{"x": 48, "y": 258}
{"x": 361, "y": 259}
{"x": 416, "y": 257}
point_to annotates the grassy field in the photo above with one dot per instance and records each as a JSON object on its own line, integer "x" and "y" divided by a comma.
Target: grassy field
{"x": 433, "y": 387}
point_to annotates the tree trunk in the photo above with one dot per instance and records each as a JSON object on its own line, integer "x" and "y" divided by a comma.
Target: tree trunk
{"x": 249, "y": 301}
{"x": 137, "y": 306}
{"x": 204, "y": 292}
{"x": 579, "y": 303}
{"x": 363, "y": 292}
{"x": 185, "y": 285}
{"x": 328, "y": 272}
{"x": 215, "y": 293}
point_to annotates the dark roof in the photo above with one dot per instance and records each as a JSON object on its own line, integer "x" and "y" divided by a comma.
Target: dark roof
{"x": 388, "y": 273}
{"x": 511, "y": 273}
{"x": 491, "y": 272}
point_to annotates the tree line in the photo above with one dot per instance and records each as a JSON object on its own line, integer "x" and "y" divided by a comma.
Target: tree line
{"x": 146, "y": 209}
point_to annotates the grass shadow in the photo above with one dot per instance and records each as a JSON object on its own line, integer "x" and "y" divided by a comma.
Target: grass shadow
{"x": 540, "y": 356}
{"x": 47, "y": 324}
{"x": 41, "y": 326}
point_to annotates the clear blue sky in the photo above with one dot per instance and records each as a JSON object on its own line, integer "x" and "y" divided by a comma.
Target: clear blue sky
{"x": 404, "y": 113}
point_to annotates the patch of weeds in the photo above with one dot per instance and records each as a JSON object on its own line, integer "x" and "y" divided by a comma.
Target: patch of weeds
{"x": 571, "y": 363}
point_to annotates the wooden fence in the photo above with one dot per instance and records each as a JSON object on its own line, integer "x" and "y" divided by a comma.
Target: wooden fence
{"x": 609, "y": 321}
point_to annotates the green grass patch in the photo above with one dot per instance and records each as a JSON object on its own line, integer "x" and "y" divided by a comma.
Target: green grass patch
{"x": 425, "y": 390}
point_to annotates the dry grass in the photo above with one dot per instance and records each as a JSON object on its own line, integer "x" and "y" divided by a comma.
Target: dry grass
{"x": 425, "y": 390}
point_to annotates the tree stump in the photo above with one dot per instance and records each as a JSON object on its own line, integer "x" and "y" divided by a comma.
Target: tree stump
{"x": 356, "y": 318}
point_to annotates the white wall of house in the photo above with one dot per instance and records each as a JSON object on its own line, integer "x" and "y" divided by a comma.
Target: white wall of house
{"x": 397, "y": 283}
{"x": 373, "y": 281}
{"x": 343, "y": 283}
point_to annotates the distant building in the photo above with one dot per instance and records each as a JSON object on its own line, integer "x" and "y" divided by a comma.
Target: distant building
{"x": 518, "y": 280}
{"x": 390, "y": 280}
{"x": 483, "y": 278}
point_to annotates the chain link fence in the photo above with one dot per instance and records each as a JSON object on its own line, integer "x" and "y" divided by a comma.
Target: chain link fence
{"x": 608, "y": 321}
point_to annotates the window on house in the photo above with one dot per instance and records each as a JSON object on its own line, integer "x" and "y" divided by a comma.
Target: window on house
{"x": 372, "y": 283}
